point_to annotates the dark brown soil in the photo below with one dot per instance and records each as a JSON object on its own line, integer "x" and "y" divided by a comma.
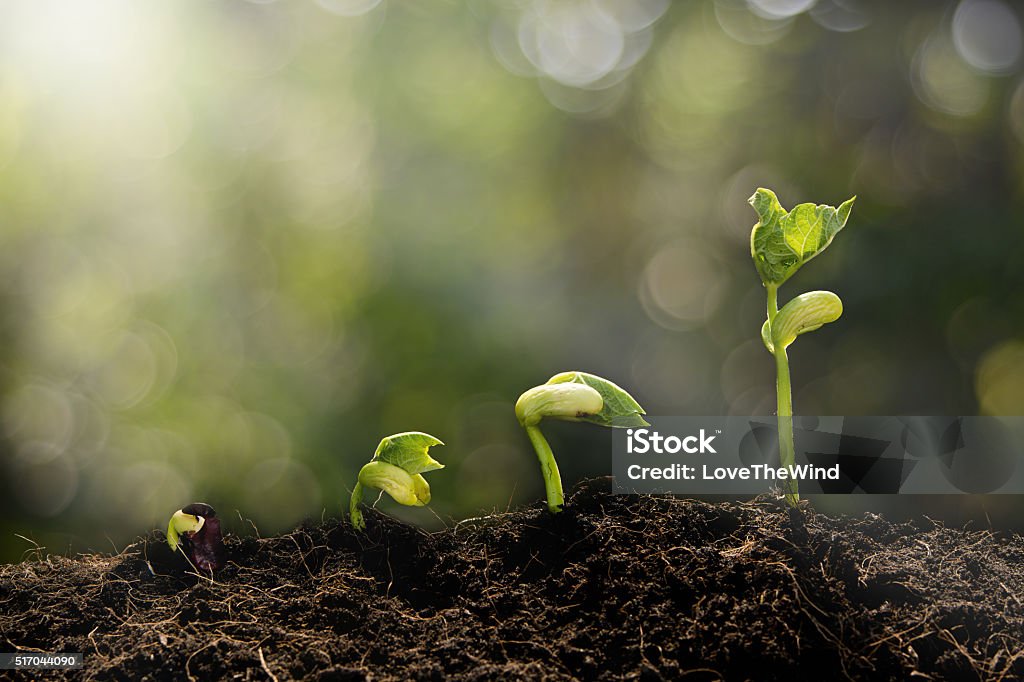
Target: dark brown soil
{"x": 616, "y": 587}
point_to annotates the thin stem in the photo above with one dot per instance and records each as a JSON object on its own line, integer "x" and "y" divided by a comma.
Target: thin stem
{"x": 787, "y": 454}
{"x": 354, "y": 514}
{"x": 784, "y": 393}
{"x": 548, "y": 466}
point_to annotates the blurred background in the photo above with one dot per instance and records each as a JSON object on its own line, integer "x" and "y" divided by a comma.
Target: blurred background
{"x": 242, "y": 241}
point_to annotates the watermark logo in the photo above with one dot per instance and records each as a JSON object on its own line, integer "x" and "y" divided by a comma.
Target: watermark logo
{"x": 833, "y": 455}
{"x": 643, "y": 441}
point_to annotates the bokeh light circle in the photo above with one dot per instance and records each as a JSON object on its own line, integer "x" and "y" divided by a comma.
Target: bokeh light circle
{"x": 987, "y": 35}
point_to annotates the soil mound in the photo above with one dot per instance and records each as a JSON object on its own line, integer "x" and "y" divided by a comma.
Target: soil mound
{"x": 616, "y": 587}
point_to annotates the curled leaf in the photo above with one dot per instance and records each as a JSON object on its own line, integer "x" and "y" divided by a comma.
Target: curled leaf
{"x": 412, "y": 490}
{"x": 805, "y": 313}
{"x": 781, "y": 242}
{"x": 619, "y": 409}
{"x": 409, "y": 451}
{"x": 569, "y": 402}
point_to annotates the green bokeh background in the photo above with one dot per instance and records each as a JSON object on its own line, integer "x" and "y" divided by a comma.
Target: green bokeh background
{"x": 242, "y": 241}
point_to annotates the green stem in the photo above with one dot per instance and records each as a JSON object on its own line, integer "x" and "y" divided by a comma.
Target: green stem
{"x": 354, "y": 514}
{"x": 548, "y": 466}
{"x": 787, "y": 452}
{"x": 784, "y": 393}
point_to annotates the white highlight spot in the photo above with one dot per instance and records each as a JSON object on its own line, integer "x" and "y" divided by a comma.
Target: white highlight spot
{"x": 987, "y": 35}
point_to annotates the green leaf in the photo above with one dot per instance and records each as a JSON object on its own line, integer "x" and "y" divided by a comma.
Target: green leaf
{"x": 409, "y": 451}
{"x": 803, "y": 314}
{"x": 619, "y": 410}
{"x": 781, "y": 242}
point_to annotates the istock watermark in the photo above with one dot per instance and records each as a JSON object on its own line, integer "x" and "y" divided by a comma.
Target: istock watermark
{"x": 833, "y": 455}
{"x": 642, "y": 441}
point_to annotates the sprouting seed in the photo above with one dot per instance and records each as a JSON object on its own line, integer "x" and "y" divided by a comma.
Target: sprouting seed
{"x": 195, "y": 530}
{"x": 572, "y": 396}
{"x": 396, "y": 468}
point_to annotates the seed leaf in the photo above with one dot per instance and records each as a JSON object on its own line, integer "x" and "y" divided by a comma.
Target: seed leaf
{"x": 412, "y": 490}
{"x": 805, "y": 313}
{"x": 620, "y": 410}
{"x": 409, "y": 451}
{"x": 781, "y": 242}
{"x": 568, "y": 401}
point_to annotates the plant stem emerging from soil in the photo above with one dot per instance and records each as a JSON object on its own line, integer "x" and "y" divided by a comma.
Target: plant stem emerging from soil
{"x": 780, "y": 243}
{"x": 354, "y": 513}
{"x": 784, "y": 394}
{"x": 549, "y": 469}
{"x": 574, "y": 397}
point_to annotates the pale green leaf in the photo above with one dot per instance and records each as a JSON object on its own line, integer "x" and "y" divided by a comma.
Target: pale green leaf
{"x": 412, "y": 490}
{"x": 781, "y": 242}
{"x": 409, "y": 451}
{"x": 568, "y": 401}
{"x": 803, "y": 314}
{"x": 619, "y": 410}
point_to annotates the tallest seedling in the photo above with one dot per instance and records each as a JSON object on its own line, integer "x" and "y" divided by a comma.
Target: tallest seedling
{"x": 780, "y": 243}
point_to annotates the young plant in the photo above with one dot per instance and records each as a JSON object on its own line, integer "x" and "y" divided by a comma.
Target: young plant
{"x": 195, "y": 530}
{"x": 575, "y": 397}
{"x": 396, "y": 468}
{"x": 780, "y": 243}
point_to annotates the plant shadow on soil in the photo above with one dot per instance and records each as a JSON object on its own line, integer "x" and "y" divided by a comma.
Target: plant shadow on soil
{"x": 615, "y": 587}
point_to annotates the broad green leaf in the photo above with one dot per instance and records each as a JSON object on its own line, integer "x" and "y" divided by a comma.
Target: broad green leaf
{"x": 409, "y": 452}
{"x": 619, "y": 409}
{"x": 805, "y": 313}
{"x": 781, "y": 242}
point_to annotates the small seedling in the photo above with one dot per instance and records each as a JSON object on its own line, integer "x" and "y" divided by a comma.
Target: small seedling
{"x": 396, "y": 468}
{"x": 576, "y": 397}
{"x": 780, "y": 243}
{"x": 195, "y": 530}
